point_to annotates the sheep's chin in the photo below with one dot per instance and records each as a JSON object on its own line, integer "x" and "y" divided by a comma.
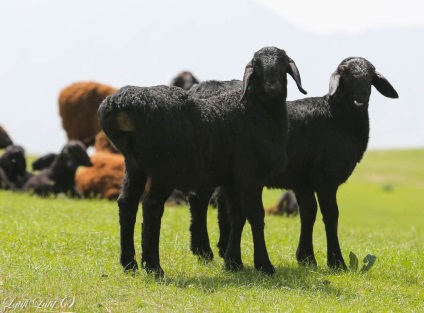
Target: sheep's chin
{"x": 358, "y": 104}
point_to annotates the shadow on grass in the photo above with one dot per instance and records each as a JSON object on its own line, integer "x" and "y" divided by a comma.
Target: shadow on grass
{"x": 309, "y": 279}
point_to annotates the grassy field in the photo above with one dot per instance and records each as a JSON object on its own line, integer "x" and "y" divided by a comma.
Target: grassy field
{"x": 61, "y": 255}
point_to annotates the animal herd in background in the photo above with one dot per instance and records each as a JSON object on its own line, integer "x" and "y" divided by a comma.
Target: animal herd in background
{"x": 185, "y": 141}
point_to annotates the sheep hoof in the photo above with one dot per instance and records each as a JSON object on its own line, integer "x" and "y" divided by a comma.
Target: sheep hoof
{"x": 156, "y": 270}
{"x": 337, "y": 264}
{"x": 266, "y": 268}
{"x": 130, "y": 267}
{"x": 205, "y": 255}
{"x": 233, "y": 265}
{"x": 307, "y": 261}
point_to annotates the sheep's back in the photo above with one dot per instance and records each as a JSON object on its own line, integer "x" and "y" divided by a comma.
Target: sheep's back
{"x": 187, "y": 138}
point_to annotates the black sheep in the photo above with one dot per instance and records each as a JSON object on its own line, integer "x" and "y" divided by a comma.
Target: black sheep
{"x": 13, "y": 172}
{"x": 186, "y": 143}
{"x": 43, "y": 161}
{"x": 184, "y": 80}
{"x": 59, "y": 176}
{"x": 327, "y": 138}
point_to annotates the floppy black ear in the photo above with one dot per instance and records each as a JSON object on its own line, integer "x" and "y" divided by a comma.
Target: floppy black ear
{"x": 246, "y": 79}
{"x": 334, "y": 83}
{"x": 294, "y": 72}
{"x": 383, "y": 86}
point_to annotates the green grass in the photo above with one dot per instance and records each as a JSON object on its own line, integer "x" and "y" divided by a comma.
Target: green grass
{"x": 56, "y": 248}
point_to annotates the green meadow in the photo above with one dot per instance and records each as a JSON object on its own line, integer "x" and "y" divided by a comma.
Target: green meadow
{"x": 62, "y": 255}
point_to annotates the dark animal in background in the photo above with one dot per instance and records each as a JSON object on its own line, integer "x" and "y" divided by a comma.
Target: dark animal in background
{"x": 13, "y": 172}
{"x": 78, "y": 104}
{"x": 327, "y": 138}
{"x": 184, "y": 80}
{"x": 186, "y": 143}
{"x": 59, "y": 176}
{"x": 4, "y": 138}
{"x": 286, "y": 205}
{"x": 43, "y": 161}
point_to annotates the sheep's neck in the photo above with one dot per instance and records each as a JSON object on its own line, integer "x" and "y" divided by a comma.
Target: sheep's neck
{"x": 274, "y": 106}
{"x": 352, "y": 121}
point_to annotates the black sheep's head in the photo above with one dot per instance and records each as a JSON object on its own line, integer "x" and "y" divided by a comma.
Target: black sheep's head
{"x": 13, "y": 161}
{"x": 267, "y": 73}
{"x": 74, "y": 154}
{"x": 353, "y": 79}
{"x": 184, "y": 80}
{"x": 43, "y": 161}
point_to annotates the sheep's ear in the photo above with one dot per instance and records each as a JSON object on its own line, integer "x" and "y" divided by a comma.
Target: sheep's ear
{"x": 294, "y": 72}
{"x": 246, "y": 79}
{"x": 383, "y": 86}
{"x": 334, "y": 83}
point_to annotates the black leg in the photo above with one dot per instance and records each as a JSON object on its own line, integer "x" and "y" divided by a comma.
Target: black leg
{"x": 199, "y": 241}
{"x": 251, "y": 201}
{"x": 132, "y": 188}
{"x": 153, "y": 206}
{"x": 308, "y": 212}
{"x": 330, "y": 212}
{"x": 223, "y": 223}
{"x": 237, "y": 218}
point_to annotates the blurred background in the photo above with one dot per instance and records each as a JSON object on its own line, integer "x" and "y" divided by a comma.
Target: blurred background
{"x": 47, "y": 45}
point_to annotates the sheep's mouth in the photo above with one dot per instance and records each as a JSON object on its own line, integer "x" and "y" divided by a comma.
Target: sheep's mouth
{"x": 273, "y": 89}
{"x": 359, "y": 103}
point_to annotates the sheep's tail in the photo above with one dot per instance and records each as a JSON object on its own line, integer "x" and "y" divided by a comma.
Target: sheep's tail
{"x": 117, "y": 125}
{"x": 124, "y": 122}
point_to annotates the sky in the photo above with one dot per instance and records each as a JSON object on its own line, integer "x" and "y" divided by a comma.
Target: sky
{"x": 48, "y": 45}
{"x": 348, "y": 17}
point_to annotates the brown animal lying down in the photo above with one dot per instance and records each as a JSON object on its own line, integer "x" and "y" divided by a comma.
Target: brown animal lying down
{"x": 104, "y": 178}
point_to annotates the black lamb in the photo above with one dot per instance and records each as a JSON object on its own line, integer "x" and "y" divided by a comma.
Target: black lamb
{"x": 13, "y": 174}
{"x": 184, "y": 80}
{"x": 327, "y": 137}
{"x": 59, "y": 176}
{"x": 186, "y": 143}
{"x": 43, "y": 161}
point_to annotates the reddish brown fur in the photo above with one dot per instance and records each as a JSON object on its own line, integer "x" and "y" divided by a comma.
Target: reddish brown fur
{"x": 104, "y": 178}
{"x": 78, "y": 104}
{"x": 102, "y": 143}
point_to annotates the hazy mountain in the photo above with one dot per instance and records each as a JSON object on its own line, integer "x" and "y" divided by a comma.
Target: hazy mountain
{"x": 47, "y": 45}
